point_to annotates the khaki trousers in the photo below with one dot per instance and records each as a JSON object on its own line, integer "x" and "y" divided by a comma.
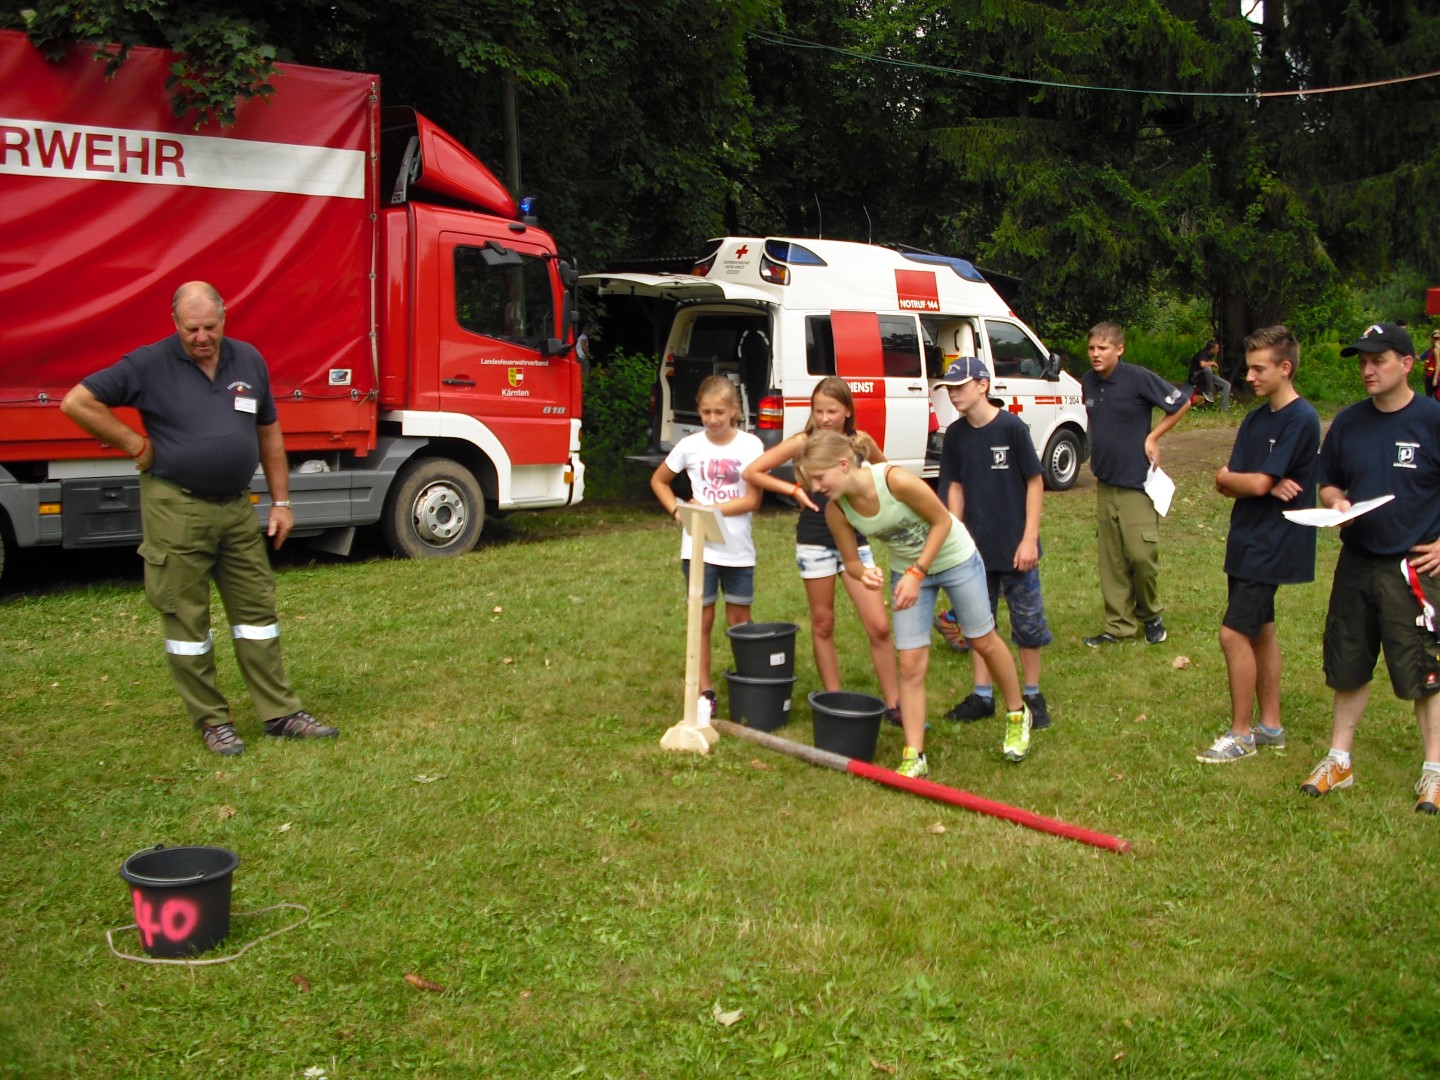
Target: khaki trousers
{"x": 188, "y": 541}
{"x": 1128, "y": 543}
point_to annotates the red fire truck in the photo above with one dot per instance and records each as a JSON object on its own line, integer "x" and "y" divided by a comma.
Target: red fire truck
{"x": 417, "y": 324}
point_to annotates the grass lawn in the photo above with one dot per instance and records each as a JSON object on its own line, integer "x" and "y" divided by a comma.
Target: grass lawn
{"x": 497, "y": 818}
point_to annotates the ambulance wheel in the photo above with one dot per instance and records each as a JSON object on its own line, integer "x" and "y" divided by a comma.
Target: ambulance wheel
{"x": 435, "y": 509}
{"x": 1061, "y": 462}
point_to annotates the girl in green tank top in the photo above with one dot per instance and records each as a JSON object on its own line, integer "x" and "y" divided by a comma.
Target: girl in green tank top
{"x": 929, "y": 549}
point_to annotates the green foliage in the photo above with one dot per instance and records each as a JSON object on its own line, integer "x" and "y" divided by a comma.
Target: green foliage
{"x": 226, "y": 59}
{"x": 618, "y": 397}
{"x": 1327, "y": 378}
{"x": 642, "y": 136}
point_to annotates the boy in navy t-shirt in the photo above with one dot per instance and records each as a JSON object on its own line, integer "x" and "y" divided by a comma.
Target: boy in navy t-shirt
{"x": 1271, "y": 469}
{"x": 990, "y": 479}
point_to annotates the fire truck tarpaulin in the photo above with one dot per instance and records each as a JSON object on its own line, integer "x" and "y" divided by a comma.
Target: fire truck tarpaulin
{"x": 108, "y": 202}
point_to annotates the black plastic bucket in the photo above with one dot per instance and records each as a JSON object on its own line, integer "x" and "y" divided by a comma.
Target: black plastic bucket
{"x": 181, "y": 897}
{"x": 846, "y": 723}
{"x": 762, "y": 704}
{"x": 763, "y": 650}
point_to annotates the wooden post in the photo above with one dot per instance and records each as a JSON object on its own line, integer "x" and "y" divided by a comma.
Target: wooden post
{"x": 703, "y": 523}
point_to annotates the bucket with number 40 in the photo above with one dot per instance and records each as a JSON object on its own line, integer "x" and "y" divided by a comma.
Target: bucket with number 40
{"x": 181, "y": 897}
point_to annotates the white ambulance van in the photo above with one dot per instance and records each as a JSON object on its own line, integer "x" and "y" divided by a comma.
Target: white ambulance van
{"x": 777, "y": 315}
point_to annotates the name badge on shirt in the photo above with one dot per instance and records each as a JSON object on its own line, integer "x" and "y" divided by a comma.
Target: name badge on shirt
{"x": 245, "y": 404}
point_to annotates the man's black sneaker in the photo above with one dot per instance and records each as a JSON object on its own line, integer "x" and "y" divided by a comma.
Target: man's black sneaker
{"x": 299, "y": 725}
{"x": 1155, "y": 632}
{"x": 1106, "y": 638}
{"x": 973, "y": 707}
{"x": 1039, "y": 711}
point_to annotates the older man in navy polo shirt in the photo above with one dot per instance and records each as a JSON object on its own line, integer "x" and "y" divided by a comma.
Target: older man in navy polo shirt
{"x": 210, "y": 420}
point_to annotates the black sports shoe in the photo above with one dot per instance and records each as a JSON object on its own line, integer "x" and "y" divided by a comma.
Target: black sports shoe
{"x": 1039, "y": 711}
{"x": 1106, "y": 638}
{"x": 299, "y": 725}
{"x": 1155, "y": 631}
{"x": 972, "y": 708}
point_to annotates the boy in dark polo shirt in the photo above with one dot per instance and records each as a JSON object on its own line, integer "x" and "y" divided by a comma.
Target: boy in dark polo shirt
{"x": 1119, "y": 398}
{"x": 1271, "y": 469}
{"x": 990, "y": 479}
{"x": 1384, "y": 591}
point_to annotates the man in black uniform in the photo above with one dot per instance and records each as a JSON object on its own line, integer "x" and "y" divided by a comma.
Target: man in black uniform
{"x": 209, "y": 420}
{"x": 1384, "y": 591}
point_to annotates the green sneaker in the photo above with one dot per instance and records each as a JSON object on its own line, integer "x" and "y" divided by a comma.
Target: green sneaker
{"x": 1017, "y": 734}
{"x": 912, "y": 764}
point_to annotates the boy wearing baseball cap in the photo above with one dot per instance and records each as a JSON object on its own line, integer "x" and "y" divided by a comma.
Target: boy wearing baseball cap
{"x": 1384, "y": 592}
{"x": 990, "y": 479}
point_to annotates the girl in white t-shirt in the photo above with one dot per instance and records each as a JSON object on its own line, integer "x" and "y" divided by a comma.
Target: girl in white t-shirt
{"x": 715, "y": 460}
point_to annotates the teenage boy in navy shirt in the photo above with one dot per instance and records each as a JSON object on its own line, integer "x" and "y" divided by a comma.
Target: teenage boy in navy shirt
{"x": 1384, "y": 591}
{"x": 990, "y": 479}
{"x": 1119, "y": 399}
{"x": 1271, "y": 469}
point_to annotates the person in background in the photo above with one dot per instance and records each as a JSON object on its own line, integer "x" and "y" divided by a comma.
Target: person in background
{"x": 1271, "y": 469}
{"x": 210, "y": 420}
{"x": 1431, "y": 359}
{"x": 1384, "y": 593}
{"x": 1204, "y": 373}
{"x": 1119, "y": 398}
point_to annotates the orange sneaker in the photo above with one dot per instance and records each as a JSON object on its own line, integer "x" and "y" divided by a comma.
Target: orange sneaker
{"x": 949, "y": 629}
{"x": 1427, "y": 792}
{"x": 1328, "y": 776}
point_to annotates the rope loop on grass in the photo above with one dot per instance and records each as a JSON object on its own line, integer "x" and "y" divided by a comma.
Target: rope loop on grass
{"x": 109, "y": 940}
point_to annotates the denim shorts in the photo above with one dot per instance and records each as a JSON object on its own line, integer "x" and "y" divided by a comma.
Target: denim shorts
{"x": 819, "y": 561}
{"x": 969, "y": 599}
{"x": 1021, "y": 589}
{"x": 737, "y": 581}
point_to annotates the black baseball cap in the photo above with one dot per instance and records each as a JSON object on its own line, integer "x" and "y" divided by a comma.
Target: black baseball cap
{"x": 1381, "y": 336}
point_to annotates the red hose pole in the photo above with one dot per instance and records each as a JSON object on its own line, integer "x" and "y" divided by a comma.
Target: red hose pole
{"x": 927, "y": 789}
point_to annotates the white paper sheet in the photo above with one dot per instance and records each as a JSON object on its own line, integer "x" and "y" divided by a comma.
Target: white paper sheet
{"x": 1321, "y": 518}
{"x": 1160, "y": 488}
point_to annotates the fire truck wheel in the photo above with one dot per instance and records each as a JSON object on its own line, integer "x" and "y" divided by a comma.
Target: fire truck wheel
{"x": 1061, "y": 463}
{"x": 435, "y": 509}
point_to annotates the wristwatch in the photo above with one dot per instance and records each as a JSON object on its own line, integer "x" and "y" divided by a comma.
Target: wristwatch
{"x": 282, "y": 502}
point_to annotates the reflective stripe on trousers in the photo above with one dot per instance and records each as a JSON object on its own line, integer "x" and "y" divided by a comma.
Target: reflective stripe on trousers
{"x": 190, "y": 648}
